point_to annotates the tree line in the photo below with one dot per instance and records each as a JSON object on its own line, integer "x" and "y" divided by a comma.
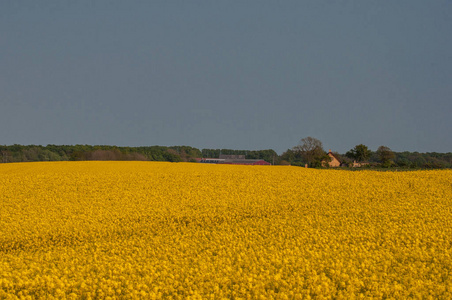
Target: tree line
{"x": 309, "y": 152}
{"x": 30, "y": 153}
{"x": 20, "y": 153}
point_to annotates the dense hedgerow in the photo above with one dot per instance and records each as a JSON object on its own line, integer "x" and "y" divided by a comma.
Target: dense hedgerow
{"x": 125, "y": 230}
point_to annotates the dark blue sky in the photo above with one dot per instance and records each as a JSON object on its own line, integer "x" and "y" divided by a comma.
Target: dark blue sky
{"x": 227, "y": 74}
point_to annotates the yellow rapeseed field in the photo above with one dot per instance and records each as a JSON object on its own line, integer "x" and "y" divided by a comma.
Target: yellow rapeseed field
{"x": 147, "y": 230}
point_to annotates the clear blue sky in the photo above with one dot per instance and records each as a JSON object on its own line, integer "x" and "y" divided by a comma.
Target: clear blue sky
{"x": 227, "y": 74}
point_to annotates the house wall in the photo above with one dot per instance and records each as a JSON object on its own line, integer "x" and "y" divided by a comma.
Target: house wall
{"x": 359, "y": 164}
{"x": 334, "y": 162}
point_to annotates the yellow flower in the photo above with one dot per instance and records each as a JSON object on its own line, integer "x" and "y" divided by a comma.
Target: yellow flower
{"x": 183, "y": 230}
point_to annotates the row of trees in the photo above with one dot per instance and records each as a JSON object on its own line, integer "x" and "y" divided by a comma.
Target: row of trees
{"x": 29, "y": 153}
{"x": 362, "y": 153}
{"x": 20, "y": 153}
{"x": 309, "y": 151}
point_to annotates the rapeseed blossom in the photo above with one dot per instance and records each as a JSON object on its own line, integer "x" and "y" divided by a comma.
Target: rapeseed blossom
{"x": 126, "y": 230}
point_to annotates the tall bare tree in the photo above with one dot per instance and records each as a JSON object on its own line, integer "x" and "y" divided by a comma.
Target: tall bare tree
{"x": 311, "y": 150}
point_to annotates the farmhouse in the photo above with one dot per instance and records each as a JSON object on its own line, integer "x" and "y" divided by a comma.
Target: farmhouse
{"x": 334, "y": 160}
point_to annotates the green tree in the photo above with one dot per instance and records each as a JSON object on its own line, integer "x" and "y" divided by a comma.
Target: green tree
{"x": 385, "y": 155}
{"x": 359, "y": 153}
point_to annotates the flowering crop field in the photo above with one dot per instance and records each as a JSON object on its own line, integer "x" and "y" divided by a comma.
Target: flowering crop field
{"x": 128, "y": 230}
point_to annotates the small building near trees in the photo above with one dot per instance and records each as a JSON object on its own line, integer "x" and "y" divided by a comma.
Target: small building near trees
{"x": 334, "y": 160}
{"x": 359, "y": 164}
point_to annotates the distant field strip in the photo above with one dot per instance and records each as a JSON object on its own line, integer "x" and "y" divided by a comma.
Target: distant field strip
{"x": 126, "y": 230}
